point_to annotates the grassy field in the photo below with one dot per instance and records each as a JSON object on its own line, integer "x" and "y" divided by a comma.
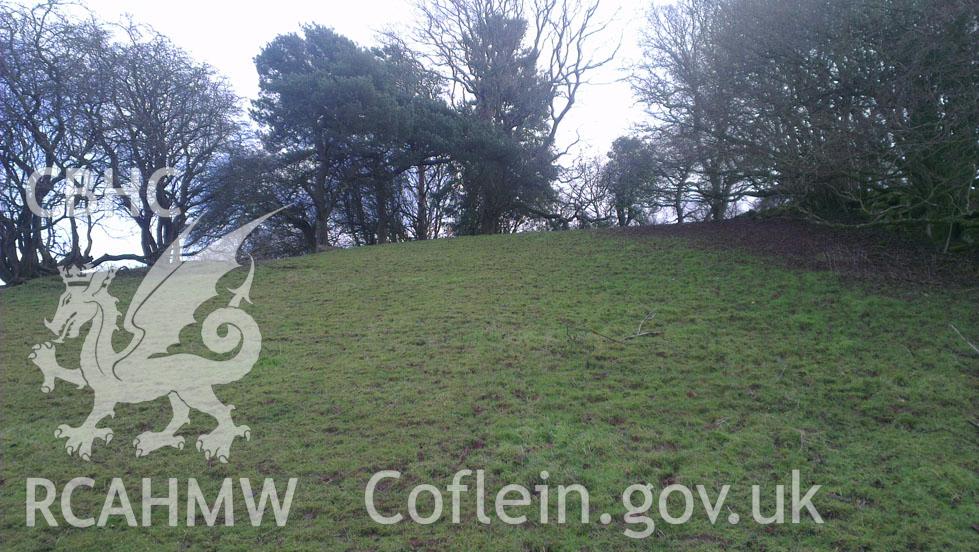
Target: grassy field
{"x": 488, "y": 353}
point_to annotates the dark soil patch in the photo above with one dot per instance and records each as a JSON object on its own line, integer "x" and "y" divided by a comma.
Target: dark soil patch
{"x": 870, "y": 255}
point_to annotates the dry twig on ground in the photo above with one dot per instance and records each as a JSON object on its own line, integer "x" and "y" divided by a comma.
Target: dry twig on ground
{"x": 969, "y": 343}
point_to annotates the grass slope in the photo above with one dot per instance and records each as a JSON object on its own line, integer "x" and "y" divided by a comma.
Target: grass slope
{"x": 480, "y": 353}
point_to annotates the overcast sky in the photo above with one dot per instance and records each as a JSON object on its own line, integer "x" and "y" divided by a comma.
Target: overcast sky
{"x": 228, "y": 35}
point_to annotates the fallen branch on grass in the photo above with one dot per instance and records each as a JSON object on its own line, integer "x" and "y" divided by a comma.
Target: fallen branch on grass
{"x": 612, "y": 339}
{"x": 639, "y": 332}
{"x": 969, "y": 343}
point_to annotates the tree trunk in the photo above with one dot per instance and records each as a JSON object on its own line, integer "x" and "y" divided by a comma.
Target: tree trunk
{"x": 383, "y": 222}
{"x": 421, "y": 216}
{"x": 322, "y": 231}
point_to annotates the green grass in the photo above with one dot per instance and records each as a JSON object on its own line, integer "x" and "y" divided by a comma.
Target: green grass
{"x": 482, "y": 353}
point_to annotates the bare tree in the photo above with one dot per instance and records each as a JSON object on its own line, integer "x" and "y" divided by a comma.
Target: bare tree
{"x": 688, "y": 91}
{"x": 166, "y": 120}
{"x": 672, "y": 185}
{"x": 47, "y": 87}
{"x": 585, "y": 198}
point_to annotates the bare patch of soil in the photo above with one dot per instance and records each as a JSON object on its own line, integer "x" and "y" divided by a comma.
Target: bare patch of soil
{"x": 870, "y": 255}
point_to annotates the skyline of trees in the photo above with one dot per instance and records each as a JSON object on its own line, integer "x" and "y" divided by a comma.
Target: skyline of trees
{"x": 859, "y": 113}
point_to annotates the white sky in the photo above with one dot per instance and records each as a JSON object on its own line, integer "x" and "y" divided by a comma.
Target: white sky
{"x": 228, "y": 35}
